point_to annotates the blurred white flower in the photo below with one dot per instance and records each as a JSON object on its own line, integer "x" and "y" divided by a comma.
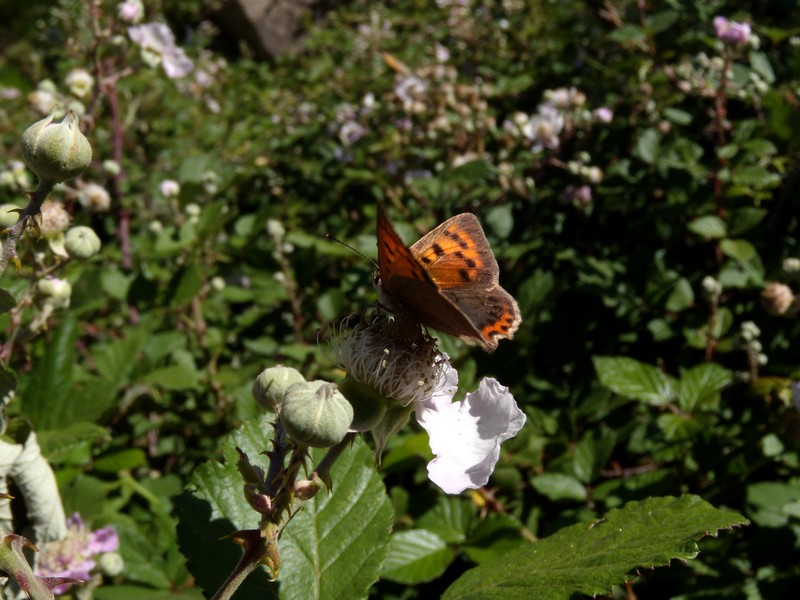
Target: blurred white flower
{"x": 80, "y": 83}
{"x": 603, "y": 114}
{"x": 94, "y": 198}
{"x": 410, "y": 89}
{"x": 43, "y": 101}
{"x": 169, "y": 188}
{"x": 158, "y": 46}
{"x": 351, "y": 132}
{"x": 543, "y": 128}
{"x": 131, "y": 11}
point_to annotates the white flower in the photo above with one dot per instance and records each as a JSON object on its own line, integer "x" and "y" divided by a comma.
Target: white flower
{"x": 466, "y": 436}
{"x": 43, "y": 101}
{"x": 543, "y": 128}
{"x": 80, "y": 83}
{"x": 410, "y": 89}
{"x": 351, "y": 132}
{"x": 94, "y": 198}
{"x": 131, "y": 11}
{"x": 169, "y": 188}
{"x": 603, "y": 114}
{"x": 158, "y": 45}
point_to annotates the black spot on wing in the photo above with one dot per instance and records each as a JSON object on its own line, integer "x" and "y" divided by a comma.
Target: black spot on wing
{"x": 453, "y": 235}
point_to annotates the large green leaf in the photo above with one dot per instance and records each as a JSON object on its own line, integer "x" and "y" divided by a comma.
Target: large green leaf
{"x": 332, "y": 548}
{"x": 590, "y": 558}
{"x": 416, "y": 556}
{"x": 49, "y": 384}
{"x": 633, "y": 379}
{"x": 7, "y": 301}
{"x": 709, "y": 226}
{"x": 700, "y": 386}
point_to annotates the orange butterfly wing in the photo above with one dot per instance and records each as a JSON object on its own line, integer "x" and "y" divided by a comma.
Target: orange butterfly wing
{"x": 448, "y": 280}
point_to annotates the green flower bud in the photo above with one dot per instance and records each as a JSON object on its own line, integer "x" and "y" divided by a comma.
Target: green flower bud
{"x": 316, "y": 414}
{"x": 52, "y": 287}
{"x": 111, "y": 563}
{"x": 9, "y": 214}
{"x": 56, "y": 151}
{"x": 55, "y": 293}
{"x": 369, "y": 406}
{"x": 82, "y": 242}
{"x": 395, "y": 419}
{"x": 270, "y": 386}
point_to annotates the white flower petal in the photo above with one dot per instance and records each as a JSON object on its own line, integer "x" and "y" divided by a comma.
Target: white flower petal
{"x": 466, "y": 436}
{"x": 157, "y": 39}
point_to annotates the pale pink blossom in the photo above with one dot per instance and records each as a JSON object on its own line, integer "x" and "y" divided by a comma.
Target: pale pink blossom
{"x": 72, "y": 556}
{"x": 732, "y": 32}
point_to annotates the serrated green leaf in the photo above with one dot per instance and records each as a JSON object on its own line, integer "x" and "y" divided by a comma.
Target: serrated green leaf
{"x": 186, "y": 286}
{"x": 128, "y": 458}
{"x": 115, "y": 359}
{"x": 58, "y": 443}
{"x": 768, "y": 501}
{"x": 494, "y": 536}
{"x": 49, "y": 384}
{"x": 681, "y": 297}
{"x": 333, "y": 546}
{"x": 559, "y": 486}
{"x": 680, "y": 117}
{"x": 709, "y": 226}
{"x": 739, "y": 250}
{"x": 449, "y": 519}
{"x": 700, "y": 386}
{"x": 590, "y": 558}
{"x": 7, "y": 301}
{"x": 755, "y": 177}
{"x": 416, "y": 556}
{"x": 636, "y": 380}
{"x": 648, "y": 146}
{"x": 760, "y": 64}
{"x": 661, "y": 21}
{"x": 176, "y": 377}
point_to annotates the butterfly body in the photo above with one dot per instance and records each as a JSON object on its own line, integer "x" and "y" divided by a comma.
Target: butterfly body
{"x": 448, "y": 280}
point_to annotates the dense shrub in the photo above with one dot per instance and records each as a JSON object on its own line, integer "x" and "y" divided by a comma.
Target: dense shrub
{"x": 634, "y": 169}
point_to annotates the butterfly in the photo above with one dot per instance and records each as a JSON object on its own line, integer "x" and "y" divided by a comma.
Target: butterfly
{"x": 448, "y": 280}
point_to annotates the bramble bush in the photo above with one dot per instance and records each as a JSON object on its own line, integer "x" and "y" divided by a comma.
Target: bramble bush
{"x": 634, "y": 166}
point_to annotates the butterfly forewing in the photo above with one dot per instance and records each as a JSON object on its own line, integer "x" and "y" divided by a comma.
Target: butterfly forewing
{"x": 457, "y": 254}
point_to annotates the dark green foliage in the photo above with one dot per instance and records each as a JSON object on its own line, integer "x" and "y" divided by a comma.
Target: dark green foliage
{"x": 653, "y": 359}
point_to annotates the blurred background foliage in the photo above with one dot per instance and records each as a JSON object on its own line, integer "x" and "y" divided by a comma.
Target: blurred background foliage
{"x": 641, "y": 244}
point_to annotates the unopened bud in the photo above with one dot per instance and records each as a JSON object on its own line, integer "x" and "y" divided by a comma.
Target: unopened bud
{"x": 272, "y": 383}
{"x": 56, "y": 152}
{"x": 316, "y": 414}
{"x": 82, "y": 242}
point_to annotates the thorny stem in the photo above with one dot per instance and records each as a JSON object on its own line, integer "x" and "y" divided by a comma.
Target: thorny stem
{"x": 26, "y": 217}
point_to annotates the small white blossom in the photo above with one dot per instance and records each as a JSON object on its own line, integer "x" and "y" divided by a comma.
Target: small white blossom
{"x": 80, "y": 83}
{"x": 131, "y": 11}
{"x": 169, "y": 188}
{"x": 94, "y": 198}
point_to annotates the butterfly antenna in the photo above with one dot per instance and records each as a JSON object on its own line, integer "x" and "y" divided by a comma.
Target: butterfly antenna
{"x": 346, "y": 245}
